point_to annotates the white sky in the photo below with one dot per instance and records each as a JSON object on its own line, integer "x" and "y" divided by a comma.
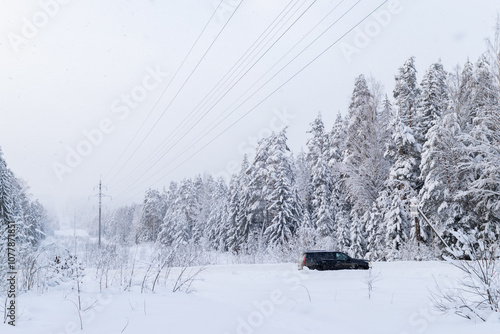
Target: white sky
{"x": 65, "y": 76}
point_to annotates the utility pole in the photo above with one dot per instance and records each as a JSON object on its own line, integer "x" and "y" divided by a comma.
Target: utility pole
{"x": 100, "y": 195}
{"x": 414, "y": 214}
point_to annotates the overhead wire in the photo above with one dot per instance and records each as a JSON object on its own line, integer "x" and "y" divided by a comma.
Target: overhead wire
{"x": 163, "y": 144}
{"x": 272, "y": 93}
{"x": 223, "y": 79}
{"x": 166, "y": 88}
{"x": 180, "y": 89}
{"x": 248, "y": 98}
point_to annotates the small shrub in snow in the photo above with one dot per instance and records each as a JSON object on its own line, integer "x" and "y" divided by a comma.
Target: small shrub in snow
{"x": 477, "y": 294}
{"x": 370, "y": 279}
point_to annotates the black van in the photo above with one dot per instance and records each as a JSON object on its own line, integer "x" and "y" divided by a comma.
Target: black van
{"x": 328, "y": 260}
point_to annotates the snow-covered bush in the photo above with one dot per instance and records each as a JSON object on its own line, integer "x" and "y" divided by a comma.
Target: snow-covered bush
{"x": 477, "y": 294}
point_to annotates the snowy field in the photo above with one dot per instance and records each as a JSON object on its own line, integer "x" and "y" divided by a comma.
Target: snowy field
{"x": 269, "y": 298}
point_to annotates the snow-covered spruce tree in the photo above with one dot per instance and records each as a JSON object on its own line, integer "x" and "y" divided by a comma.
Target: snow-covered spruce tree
{"x": 356, "y": 236}
{"x": 404, "y": 151}
{"x": 217, "y": 224}
{"x": 400, "y": 188}
{"x": 258, "y": 188}
{"x": 341, "y": 205}
{"x": 375, "y": 234}
{"x": 242, "y": 232}
{"x": 153, "y": 212}
{"x": 167, "y": 227}
{"x": 203, "y": 188}
{"x": 237, "y": 232}
{"x": 181, "y": 214}
{"x": 406, "y": 97}
{"x": 433, "y": 100}
{"x": 284, "y": 204}
{"x": 188, "y": 209}
{"x": 121, "y": 225}
{"x": 6, "y": 215}
{"x": 302, "y": 171}
{"x": 321, "y": 180}
{"x": 433, "y": 105}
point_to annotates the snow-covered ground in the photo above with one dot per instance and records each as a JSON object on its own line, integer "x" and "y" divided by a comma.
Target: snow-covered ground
{"x": 269, "y": 298}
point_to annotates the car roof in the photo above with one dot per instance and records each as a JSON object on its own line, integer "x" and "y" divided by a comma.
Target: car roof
{"x": 320, "y": 251}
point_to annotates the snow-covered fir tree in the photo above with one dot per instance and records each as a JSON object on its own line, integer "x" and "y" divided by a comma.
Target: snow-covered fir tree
{"x": 321, "y": 179}
{"x": 284, "y": 203}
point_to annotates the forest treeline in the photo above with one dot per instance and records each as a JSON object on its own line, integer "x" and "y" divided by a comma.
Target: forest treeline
{"x": 437, "y": 140}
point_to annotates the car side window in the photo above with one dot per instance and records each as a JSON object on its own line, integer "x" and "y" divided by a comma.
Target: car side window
{"x": 342, "y": 257}
{"x": 329, "y": 256}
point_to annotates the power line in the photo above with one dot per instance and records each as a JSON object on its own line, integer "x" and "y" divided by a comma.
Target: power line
{"x": 224, "y": 78}
{"x": 274, "y": 91}
{"x": 162, "y": 145}
{"x": 166, "y": 88}
{"x": 180, "y": 89}
{"x": 254, "y": 93}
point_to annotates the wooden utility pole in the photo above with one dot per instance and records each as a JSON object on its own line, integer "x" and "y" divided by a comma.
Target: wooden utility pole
{"x": 414, "y": 214}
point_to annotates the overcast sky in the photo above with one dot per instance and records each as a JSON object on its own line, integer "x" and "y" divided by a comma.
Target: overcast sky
{"x": 87, "y": 85}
